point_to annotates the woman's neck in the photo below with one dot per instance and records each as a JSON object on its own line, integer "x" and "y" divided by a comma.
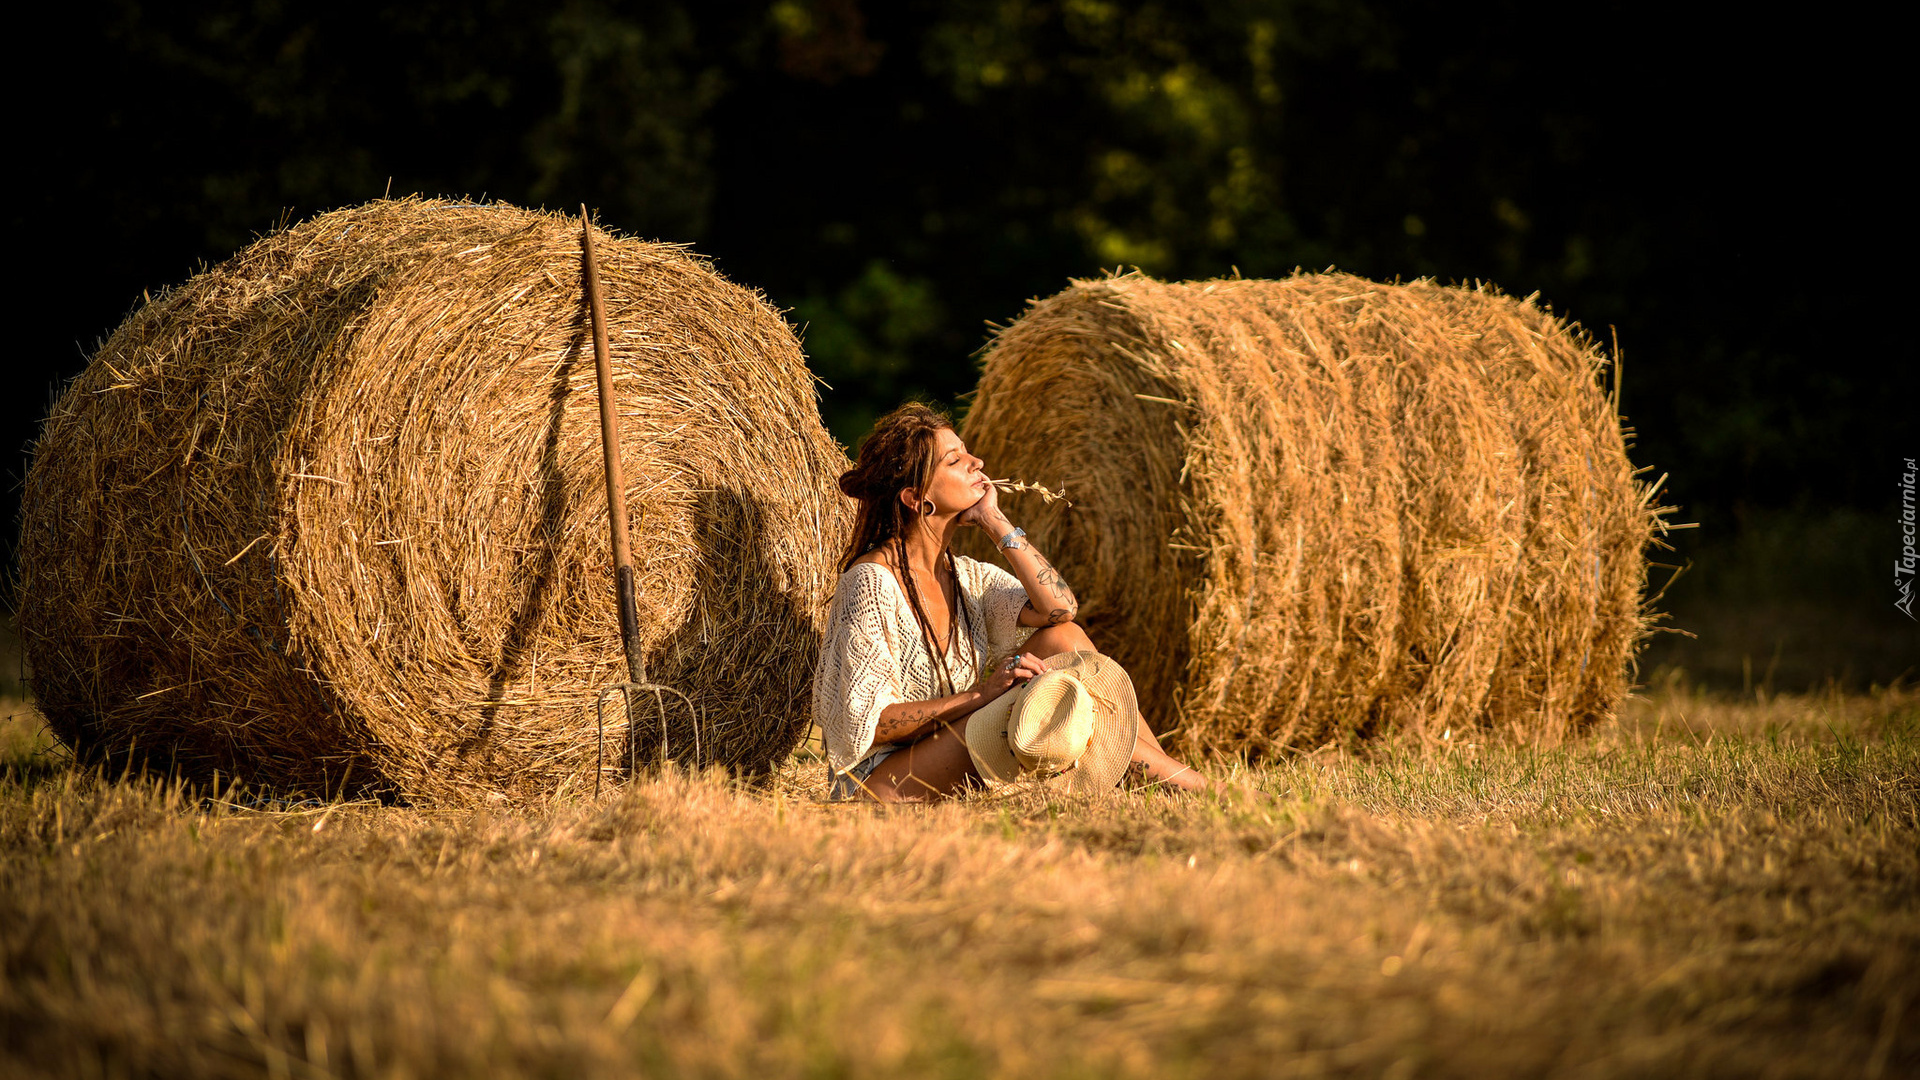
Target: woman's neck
{"x": 927, "y": 540}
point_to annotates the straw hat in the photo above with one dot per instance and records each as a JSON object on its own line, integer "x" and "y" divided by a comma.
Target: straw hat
{"x": 1073, "y": 725}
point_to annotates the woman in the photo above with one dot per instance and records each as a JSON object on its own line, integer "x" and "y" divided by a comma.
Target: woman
{"x": 912, "y": 624}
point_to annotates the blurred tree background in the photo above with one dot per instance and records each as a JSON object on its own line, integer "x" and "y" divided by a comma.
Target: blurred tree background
{"x": 898, "y": 175}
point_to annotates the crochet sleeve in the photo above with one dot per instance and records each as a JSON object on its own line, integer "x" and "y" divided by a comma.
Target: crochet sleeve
{"x": 858, "y": 675}
{"x": 1001, "y": 598}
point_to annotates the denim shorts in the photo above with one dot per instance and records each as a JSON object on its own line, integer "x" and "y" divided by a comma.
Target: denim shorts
{"x": 843, "y": 786}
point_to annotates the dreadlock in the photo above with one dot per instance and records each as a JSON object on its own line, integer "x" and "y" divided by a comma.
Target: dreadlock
{"x": 899, "y": 454}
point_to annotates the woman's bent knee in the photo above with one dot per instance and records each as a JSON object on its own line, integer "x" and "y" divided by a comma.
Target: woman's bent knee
{"x": 1054, "y": 640}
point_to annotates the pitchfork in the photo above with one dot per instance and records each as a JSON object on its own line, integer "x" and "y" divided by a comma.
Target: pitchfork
{"x": 636, "y": 682}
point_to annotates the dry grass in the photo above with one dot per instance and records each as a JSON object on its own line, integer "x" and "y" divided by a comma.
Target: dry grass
{"x": 332, "y": 512}
{"x": 1325, "y": 509}
{"x": 1702, "y": 888}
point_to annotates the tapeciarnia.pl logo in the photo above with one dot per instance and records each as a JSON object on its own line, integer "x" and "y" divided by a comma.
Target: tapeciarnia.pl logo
{"x": 1903, "y": 566}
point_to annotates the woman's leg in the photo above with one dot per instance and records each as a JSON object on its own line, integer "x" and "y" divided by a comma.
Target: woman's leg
{"x": 1054, "y": 640}
{"x": 1152, "y": 765}
{"x": 933, "y": 768}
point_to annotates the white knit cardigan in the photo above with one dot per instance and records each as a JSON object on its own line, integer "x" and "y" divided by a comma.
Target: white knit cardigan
{"x": 875, "y": 656}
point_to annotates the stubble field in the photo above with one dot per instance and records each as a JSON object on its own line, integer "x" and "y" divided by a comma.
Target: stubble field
{"x": 1709, "y": 887}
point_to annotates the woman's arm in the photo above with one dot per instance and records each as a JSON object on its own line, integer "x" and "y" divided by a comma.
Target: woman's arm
{"x": 910, "y": 721}
{"x": 1043, "y": 583}
{"x": 1050, "y": 600}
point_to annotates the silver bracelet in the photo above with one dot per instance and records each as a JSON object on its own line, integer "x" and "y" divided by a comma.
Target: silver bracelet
{"x": 1016, "y": 534}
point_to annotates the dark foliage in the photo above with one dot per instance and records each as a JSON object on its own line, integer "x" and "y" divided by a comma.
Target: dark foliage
{"x": 898, "y": 174}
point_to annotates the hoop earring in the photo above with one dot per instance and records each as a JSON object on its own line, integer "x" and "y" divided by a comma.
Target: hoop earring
{"x": 926, "y": 507}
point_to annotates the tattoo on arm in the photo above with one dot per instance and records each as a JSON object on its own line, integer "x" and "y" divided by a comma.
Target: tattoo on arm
{"x": 1051, "y": 578}
{"x": 1065, "y": 603}
{"x": 1055, "y": 617}
{"x": 893, "y": 729}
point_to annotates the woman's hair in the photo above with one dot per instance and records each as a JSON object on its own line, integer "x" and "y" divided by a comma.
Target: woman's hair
{"x": 897, "y": 455}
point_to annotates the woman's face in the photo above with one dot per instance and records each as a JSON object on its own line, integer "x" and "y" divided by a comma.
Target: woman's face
{"x": 958, "y": 481}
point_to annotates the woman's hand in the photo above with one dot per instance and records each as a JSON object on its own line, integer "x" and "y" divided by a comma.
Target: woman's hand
{"x": 1011, "y": 672}
{"x": 986, "y": 513}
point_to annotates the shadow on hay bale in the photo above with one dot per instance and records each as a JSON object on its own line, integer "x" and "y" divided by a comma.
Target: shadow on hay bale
{"x": 332, "y": 514}
{"x": 1321, "y": 509}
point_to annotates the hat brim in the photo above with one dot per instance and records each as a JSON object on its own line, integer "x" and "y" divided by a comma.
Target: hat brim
{"x": 987, "y": 741}
{"x": 1116, "y": 726}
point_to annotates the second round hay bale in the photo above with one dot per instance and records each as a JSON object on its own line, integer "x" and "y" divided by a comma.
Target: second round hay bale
{"x": 332, "y": 512}
{"x": 1323, "y": 508}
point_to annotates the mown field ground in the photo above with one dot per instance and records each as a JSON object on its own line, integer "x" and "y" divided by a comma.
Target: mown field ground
{"x": 1706, "y": 888}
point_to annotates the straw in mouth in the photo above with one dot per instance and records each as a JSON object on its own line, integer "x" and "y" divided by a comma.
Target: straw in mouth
{"x": 1047, "y": 495}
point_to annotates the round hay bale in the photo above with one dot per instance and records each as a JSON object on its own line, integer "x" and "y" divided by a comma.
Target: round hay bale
{"x": 1319, "y": 509}
{"x": 332, "y": 513}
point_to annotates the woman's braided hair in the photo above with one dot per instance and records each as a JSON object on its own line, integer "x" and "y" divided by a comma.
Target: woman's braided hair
{"x": 897, "y": 455}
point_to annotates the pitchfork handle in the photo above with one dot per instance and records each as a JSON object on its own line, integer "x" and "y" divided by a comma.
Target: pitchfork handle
{"x": 616, "y": 478}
